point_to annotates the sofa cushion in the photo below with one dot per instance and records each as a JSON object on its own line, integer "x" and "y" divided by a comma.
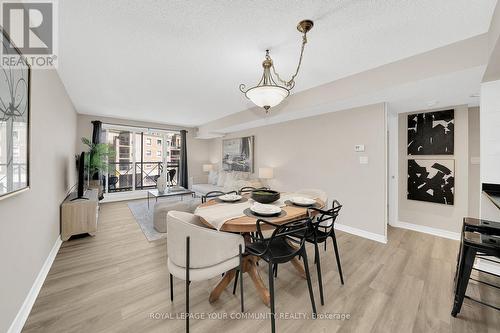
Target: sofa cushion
{"x": 203, "y": 189}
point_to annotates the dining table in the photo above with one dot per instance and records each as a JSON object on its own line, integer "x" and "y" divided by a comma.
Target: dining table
{"x": 245, "y": 224}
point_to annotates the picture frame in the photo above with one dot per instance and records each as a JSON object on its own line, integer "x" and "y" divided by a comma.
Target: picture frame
{"x": 238, "y": 154}
{"x": 15, "y": 121}
{"x": 431, "y": 180}
{"x": 431, "y": 133}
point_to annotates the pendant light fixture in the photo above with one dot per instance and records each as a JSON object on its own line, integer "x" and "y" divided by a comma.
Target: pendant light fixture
{"x": 272, "y": 89}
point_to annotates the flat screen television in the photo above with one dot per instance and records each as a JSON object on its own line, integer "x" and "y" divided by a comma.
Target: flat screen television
{"x": 81, "y": 177}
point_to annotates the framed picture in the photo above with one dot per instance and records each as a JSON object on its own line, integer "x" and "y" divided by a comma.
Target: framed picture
{"x": 431, "y": 181}
{"x": 238, "y": 154}
{"x": 14, "y": 122}
{"x": 431, "y": 133}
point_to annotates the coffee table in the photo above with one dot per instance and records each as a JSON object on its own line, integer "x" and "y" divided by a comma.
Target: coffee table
{"x": 170, "y": 192}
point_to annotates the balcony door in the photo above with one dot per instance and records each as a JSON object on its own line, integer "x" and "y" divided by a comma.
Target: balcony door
{"x": 140, "y": 157}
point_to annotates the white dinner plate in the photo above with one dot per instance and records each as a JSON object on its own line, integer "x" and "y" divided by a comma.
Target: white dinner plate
{"x": 265, "y": 210}
{"x": 303, "y": 201}
{"x": 230, "y": 197}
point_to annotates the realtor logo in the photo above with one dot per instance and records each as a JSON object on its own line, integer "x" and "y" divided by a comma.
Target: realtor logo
{"x": 31, "y": 26}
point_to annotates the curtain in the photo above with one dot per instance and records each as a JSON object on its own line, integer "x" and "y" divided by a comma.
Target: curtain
{"x": 96, "y": 138}
{"x": 97, "y": 131}
{"x": 183, "y": 167}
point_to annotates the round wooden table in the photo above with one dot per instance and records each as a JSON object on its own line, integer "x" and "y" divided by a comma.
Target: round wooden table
{"x": 245, "y": 225}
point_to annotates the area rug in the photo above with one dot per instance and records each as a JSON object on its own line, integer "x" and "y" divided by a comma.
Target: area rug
{"x": 144, "y": 217}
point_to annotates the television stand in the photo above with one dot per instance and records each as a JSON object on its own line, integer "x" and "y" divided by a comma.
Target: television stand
{"x": 79, "y": 215}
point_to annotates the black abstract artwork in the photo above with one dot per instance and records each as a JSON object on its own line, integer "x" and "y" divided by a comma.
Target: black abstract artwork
{"x": 431, "y": 181}
{"x": 431, "y": 133}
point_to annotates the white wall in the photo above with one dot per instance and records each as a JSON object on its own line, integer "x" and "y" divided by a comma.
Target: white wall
{"x": 433, "y": 215}
{"x": 318, "y": 152}
{"x": 29, "y": 222}
{"x": 474, "y": 162}
{"x": 490, "y": 132}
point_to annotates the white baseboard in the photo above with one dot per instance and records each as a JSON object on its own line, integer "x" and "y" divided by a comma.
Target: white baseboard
{"x": 427, "y": 230}
{"x": 361, "y": 233}
{"x": 21, "y": 317}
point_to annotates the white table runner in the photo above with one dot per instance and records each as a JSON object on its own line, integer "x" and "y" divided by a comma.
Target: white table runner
{"x": 219, "y": 213}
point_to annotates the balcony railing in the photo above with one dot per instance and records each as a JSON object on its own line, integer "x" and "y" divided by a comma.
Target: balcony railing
{"x": 121, "y": 175}
{"x": 18, "y": 174}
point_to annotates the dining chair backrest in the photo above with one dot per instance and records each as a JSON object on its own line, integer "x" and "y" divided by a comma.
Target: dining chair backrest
{"x": 324, "y": 220}
{"x": 248, "y": 189}
{"x": 171, "y": 175}
{"x": 286, "y": 231}
{"x": 208, "y": 247}
{"x": 214, "y": 194}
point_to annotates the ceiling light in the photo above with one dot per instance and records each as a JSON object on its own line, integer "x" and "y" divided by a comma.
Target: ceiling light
{"x": 267, "y": 93}
{"x": 475, "y": 95}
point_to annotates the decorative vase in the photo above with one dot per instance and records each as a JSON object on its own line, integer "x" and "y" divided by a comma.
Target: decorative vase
{"x": 161, "y": 183}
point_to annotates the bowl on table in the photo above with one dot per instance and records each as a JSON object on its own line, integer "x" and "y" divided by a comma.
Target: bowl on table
{"x": 265, "y": 196}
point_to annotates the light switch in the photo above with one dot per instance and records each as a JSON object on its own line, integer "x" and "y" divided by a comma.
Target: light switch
{"x": 359, "y": 148}
{"x": 363, "y": 160}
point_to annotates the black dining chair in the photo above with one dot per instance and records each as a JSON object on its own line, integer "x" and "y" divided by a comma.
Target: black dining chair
{"x": 248, "y": 189}
{"x": 214, "y": 194}
{"x": 171, "y": 175}
{"x": 280, "y": 248}
{"x": 322, "y": 228}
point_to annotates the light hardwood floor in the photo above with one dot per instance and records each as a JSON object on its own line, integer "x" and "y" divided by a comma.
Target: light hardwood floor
{"x": 114, "y": 281}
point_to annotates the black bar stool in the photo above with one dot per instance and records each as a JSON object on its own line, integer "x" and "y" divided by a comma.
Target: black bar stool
{"x": 473, "y": 243}
{"x": 476, "y": 225}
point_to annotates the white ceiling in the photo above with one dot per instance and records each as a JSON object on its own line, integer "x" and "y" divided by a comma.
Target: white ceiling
{"x": 180, "y": 62}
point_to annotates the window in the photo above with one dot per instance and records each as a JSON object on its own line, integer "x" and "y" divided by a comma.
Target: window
{"x": 139, "y": 155}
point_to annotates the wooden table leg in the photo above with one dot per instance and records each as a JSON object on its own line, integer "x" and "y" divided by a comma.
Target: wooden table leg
{"x": 297, "y": 264}
{"x": 299, "y": 267}
{"x": 250, "y": 267}
{"x": 215, "y": 294}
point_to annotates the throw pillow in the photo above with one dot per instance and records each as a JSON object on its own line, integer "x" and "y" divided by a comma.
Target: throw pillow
{"x": 230, "y": 180}
{"x": 212, "y": 177}
{"x": 222, "y": 178}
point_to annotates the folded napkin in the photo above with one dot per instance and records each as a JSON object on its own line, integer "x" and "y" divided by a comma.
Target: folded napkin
{"x": 218, "y": 214}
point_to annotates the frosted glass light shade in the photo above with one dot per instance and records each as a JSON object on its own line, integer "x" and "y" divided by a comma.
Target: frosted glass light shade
{"x": 266, "y": 173}
{"x": 269, "y": 96}
{"x": 208, "y": 167}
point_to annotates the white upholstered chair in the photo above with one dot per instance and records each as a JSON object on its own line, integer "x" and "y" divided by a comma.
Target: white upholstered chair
{"x": 197, "y": 253}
